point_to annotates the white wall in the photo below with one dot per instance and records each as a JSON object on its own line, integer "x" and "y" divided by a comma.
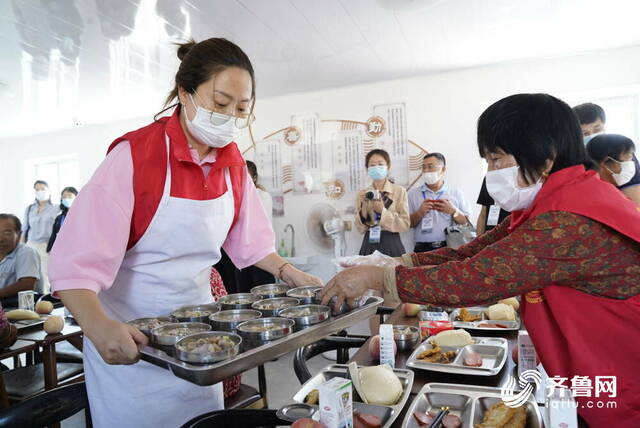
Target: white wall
{"x": 442, "y": 111}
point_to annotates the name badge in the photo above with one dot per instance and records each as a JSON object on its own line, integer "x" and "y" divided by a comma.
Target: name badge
{"x": 374, "y": 234}
{"x": 427, "y": 223}
{"x": 494, "y": 215}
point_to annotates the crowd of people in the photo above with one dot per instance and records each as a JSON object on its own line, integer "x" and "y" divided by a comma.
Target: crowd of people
{"x": 173, "y": 198}
{"x": 431, "y": 207}
{"x": 25, "y": 244}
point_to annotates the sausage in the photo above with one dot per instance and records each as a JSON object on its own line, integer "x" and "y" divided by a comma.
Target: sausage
{"x": 472, "y": 360}
{"x": 423, "y": 418}
{"x": 369, "y": 421}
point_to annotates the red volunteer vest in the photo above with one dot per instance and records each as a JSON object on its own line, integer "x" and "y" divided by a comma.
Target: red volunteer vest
{"x": 577, "y": 334}
{"x": 149, "y": 155}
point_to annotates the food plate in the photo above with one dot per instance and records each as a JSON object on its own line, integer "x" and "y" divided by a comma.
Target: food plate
{"x": 271, "y": 307}
{"x": 199, "y": 355}
{"x": 238, "y": 301}
{"x": 261, "y": 331}
{"x": 492, "y": 349}
{"x": 209, "y": 374}
{"x": 306, "y": 315}
{"x": 145, "y": 325}
{"x": 270, "y": 291}
{"x": 194, "y": 313}
{"x": 484, "y": 324}
{"x": 306, "y": 295}
{"x": 388, "y": 414}
{"x": 468, "y": 402}
{"x": 169, "y": 334}
{"x": 230, "y": 319}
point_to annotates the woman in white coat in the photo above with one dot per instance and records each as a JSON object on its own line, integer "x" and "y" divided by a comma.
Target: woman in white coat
{"x": 146, "y": 229}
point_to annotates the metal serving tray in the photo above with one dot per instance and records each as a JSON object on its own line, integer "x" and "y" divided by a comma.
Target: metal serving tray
{"x": 209, "y": 374}
{"x": 468, "y": 402}
{"x": 493, "y": 351}
{"x": 477, "y": 325}
{"x": 388, "y": 414}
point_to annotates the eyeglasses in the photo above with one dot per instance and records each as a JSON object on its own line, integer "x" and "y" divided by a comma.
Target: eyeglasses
{"x": 242, "y": 121}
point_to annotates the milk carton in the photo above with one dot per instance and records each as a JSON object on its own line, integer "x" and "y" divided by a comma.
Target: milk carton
{"x": 336, "y": 406}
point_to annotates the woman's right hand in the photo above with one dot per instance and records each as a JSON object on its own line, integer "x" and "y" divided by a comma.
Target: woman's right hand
{"x": 117, "y": 342}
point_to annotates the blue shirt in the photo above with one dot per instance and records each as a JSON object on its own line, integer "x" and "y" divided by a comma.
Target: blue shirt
{"x": 22, "y": 262}
{"x": 440, "y": 220}
{"x": 39, "y": 225}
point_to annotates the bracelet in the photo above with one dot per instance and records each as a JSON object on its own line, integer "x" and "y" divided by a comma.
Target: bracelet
{"x": 281, "y": 268}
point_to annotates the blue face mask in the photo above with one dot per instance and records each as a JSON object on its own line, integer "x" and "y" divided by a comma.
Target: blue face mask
{"x": 378, "y": 172}
{"x": 67, "y": 202}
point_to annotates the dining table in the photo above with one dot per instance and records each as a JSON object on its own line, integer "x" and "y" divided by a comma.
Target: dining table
{"x": 422, "y": 377}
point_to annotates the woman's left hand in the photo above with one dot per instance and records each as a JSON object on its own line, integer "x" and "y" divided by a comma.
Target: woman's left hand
{"x": 296, "y": 278}
{"x": 352, "y": 283}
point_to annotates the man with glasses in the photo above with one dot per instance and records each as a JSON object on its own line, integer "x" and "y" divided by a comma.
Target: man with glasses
{"x": 434, "y": 205}
{"x": 19, "y": 264}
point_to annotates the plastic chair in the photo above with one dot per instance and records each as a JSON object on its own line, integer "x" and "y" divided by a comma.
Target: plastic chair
{"x": 48, "y": 408}
{"x": 237, "y": 418}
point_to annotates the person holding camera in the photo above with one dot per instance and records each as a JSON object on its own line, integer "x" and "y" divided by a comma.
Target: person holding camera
{"x": 435, "y": 206}
{"x": 382, "y": 209}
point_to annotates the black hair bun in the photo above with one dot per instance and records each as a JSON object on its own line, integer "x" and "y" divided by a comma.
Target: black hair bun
{"x": 184, "y": 48}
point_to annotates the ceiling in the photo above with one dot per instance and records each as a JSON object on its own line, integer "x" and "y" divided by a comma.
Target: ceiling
{"x": 66, "y": 63}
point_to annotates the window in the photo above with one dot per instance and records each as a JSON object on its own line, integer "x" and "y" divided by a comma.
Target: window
{"x": 58, "y": 171}
{"x": 621, "y": 111}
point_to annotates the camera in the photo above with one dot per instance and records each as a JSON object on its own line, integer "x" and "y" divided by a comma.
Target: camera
{"x": 372, "y": 195}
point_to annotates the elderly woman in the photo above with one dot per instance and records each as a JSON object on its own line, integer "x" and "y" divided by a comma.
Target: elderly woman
{"x": 570, "y": 248}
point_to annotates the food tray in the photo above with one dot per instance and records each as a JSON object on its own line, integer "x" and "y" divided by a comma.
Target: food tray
{"x": 493, "y": 351}
{"x": 388, "y": 414}
{"x": 469, "y": 402}
{"x": 209, "y": 374}
{"x": 28, "y": 324}
{"x": 476, "y": 325}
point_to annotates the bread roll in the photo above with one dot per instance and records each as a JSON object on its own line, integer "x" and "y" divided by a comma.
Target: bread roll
{"x": 456, "y": 338}
{"x": 511, "y": 301}
{"x": 22, "y": 314}
{"x": 380, "y": 385}
{"x": 501, "y": 312}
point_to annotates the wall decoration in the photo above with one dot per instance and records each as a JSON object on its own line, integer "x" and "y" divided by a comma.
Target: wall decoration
{"x": 326, "y": 156}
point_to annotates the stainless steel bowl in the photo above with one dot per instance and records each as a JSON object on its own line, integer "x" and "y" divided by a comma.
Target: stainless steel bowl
{"x": 313, "y": 314}
{"x": 230, "y": 319}
{"x": 159, "y": 335}
{"x": 306, "y": 295}
{"x": 407, "y": 337}
{"x": 138, "y": 323}
{"x": 258, "y": 332}
{"x": 207, "y": 357}
{"x": 279, "y": 302}
{"x": 207, "y": 309}
{"x": 335, "y": 310}
{"x": 237, "y": 301}
{"x": 269, "y": 291}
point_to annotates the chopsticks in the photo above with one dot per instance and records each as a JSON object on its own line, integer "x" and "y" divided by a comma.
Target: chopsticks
{"x": 437, "y": 422}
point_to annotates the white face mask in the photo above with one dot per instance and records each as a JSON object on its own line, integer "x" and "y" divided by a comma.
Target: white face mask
{"x": 42, "y": 195}
{"x": 502, "y": 185}
{"x": 627, "y": 171}
{"x": 204, "y": 129}
{"x": 431, "y": 177}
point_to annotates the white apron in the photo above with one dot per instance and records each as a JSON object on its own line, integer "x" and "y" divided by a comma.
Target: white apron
{"x": 168, "y": 267}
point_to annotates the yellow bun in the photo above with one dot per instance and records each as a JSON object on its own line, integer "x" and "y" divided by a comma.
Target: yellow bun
{"x": 511, "y": 301}
{"x": 501, "y": 312}
{"x": 454, "y": 338}
{"x": 380, "y": 385}
{"x": 54, "y": 324}
{"x": 44, "y": 307}
{"x": 22, "y": 314}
